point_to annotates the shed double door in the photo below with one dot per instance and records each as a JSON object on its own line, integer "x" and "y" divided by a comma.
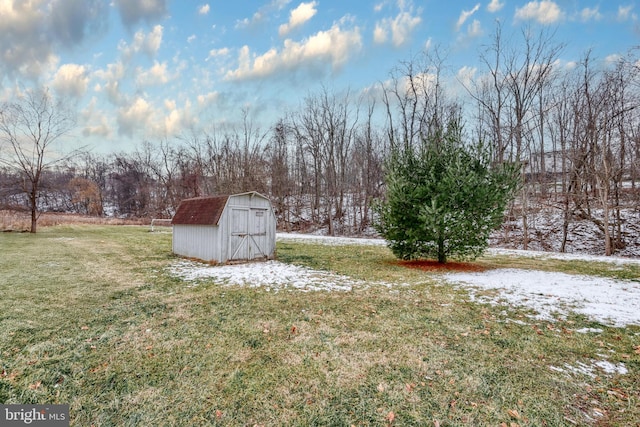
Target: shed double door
{"x": 248, "y": 238}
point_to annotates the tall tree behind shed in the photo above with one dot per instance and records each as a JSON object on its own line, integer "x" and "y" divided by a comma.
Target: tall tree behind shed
{"x": 29, "y": 126}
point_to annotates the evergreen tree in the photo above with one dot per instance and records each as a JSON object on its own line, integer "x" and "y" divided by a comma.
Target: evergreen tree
{"x": 444, "y": 198}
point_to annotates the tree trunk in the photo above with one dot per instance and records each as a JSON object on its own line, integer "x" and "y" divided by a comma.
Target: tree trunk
{"x": 33, "y": 200}
{"x": 442, "y": 256}
{"x": 608, "y": 250}
{"x": 34, "y": 220}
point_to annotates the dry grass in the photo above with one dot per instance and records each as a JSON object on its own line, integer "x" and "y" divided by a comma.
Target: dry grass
{"x": 20, "y": 221}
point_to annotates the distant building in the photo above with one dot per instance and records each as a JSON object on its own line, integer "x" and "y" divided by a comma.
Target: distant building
{"x": 221, "y": 229}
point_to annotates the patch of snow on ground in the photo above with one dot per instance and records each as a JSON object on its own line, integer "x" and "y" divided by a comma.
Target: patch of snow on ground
{"x": 607, "y": 301}
{"x": 272, "y": 275}
{"x": 589, "y": 330}
{"x": 594, "y": 366}
{"x": 563, "y": 256}
{"x": 328, "y": 240}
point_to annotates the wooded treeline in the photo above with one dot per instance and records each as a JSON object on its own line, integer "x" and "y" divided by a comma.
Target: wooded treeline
{"x": 575, "y": 127}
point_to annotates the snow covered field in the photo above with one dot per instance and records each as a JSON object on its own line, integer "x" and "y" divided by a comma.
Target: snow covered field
{"x": 553, "y": 295}
{"x": 550, "y": 295}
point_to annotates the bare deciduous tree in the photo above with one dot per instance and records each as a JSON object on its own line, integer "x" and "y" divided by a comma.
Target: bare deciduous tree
{"x": 512, "y": 103}
{"x": 29, "y": 127}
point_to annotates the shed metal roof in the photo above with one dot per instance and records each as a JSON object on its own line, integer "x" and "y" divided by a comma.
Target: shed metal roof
{"x": 200, "y": 210}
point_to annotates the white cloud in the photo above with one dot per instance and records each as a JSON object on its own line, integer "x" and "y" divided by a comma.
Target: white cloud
{"x": 613, "y": 58}
{"x": 25, "y": 48}
{"x": 33, "y": 31}
{"x": 466, "y": 14}
{"x": 156, "y": 75}
{"x": 333, "y": 46}
{"x": 140, "y": 117}
{"x": 466, "y": 75}
{"x": 112, "y": 76}
{"x": 423, "y": 82}
{"x": 204, "y": 9}
{"x": 71, "y": 21}
{"x": 135, "y": 116}
{"x": 278, "y": 4}
{"x": 170, "y": 104}
{"x": 589, "y": 14}
{"x": 495, "y": 6}
{"x": 624, "y": 13}
{"x": 298, "y": 16}
{"x": 474, "y": 29}
{"x": 101, "y": 129}
{"x": 132, "y": 12}
{"x": 191, "y": 38}
{"x": 148, "y": 44}
{"x": 399, "y": 28}
{"x": 71, "y": 80}
{"x": 223, "y": 51}
{"x": 153, "y": 41}
{"x": 263, "y": 13}
{"x": 177, "y": 119}
{"x": 544, "y": 12}
{"x": 428, "y": 44}
{"x": 243, "y": 23}
{"x": 98, "y": 127}
{"x": 95, "y": 121}
{"x": 207, "y": 99}
{"x": 380, "y": 33}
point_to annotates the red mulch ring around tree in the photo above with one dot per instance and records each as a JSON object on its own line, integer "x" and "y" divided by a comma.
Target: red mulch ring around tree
{"x": 431, "y": 265}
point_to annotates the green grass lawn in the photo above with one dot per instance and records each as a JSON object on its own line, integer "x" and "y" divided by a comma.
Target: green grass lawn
{"x": 90, "y": 317}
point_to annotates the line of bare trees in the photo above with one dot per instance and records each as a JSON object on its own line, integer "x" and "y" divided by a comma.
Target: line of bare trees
{"x": 322, "y": 166}
{"x": 574, "y": 126}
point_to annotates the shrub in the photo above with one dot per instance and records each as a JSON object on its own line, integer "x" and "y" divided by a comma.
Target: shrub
{"x": 444, "y": 198}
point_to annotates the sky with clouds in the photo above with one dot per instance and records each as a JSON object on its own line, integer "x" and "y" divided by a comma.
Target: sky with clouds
{"x": 140, "y": 70}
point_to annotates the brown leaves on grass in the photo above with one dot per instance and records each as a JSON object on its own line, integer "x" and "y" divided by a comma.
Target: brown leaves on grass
{"x": 618, "y": 393}
{"x": 410, "y": 387}
{"x": 11, "y": 376}
{"x": 390, "y": 417}
{"x": 513, "y": 413}
{"x": 99, "y": 368}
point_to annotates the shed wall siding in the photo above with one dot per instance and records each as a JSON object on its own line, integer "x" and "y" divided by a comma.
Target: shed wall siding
{"x": 197, "y": 241}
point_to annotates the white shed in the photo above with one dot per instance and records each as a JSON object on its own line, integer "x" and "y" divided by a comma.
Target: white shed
{"x": 222, "y": 229}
